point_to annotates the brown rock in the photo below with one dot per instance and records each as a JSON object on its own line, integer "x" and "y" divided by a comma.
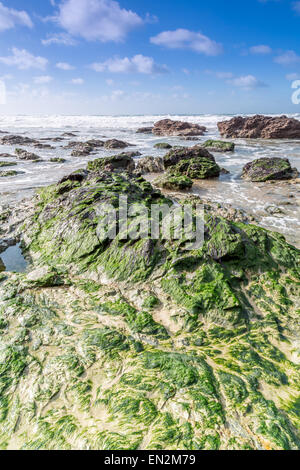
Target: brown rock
{"x": 177, "y": 128}
{"x": 144, "y": 130}
{"x": 260, "y": 127}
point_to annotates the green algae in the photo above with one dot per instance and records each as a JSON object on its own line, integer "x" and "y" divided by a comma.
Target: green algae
{"x": 140, "y": 344}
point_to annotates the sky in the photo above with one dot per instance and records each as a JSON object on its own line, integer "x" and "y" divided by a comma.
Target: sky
{"x": 106, "y": 57}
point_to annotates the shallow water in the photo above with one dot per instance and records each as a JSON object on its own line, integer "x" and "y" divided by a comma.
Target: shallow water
{"x": 14, "y": 260}
{"x": 260, "y": 199}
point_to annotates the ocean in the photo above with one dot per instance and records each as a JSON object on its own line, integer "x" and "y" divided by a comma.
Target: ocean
{"x": 275, "y": 205}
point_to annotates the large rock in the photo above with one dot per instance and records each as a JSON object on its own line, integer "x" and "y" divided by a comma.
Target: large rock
{"x": 263, "y": 127}
{"x": 24, "y": 155}
{"x": 219, "y": 146}
{"x": 196, "y": 168}
{"x": 266, "y": 169}
{"x": 176, "y": 155}
{"x": 115, "y": 144}
{"x": 150, "y": 165}
{"x": 117, "y": 162}
{"x": 177, "y": 128}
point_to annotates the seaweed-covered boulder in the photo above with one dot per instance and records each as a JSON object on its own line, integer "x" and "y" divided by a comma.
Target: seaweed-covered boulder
{"x": 173, "y": 182}
{"x": 196, "y": 168}
{"x": 263, "y": 127}
{"x": 150, "y": 165}
{"x": 177, "y": 128}
{"x": 4, "y": 174}
{"x": 182, "y": 153}
{"x": 219, "y": 146}
{"x": 117, "y": 162}
{"x": 155, "y": 343}
{"x": 163, "y": 146}
{"x": 266, "y": 169}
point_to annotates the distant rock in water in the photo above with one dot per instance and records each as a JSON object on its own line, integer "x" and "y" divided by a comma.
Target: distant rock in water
{"x": 17, "y": 140}
{"x": 24, "y": 155}
{"x": 115, "y": 144}
{"x": 177, "y": 128}
{"x": 266, "y": 169}
{"x": 260, "y": 127}
{"x": 144, "y": 130}
{"x": 219, "y": 146}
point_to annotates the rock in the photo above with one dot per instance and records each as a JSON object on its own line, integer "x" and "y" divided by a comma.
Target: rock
{"x": 117, "y": 162}
{"x": 2, "y": 267}
{"x": 196, "y": 168}
{"x": 95, "y": 143}
{"x": 263, "y": 127}
{"x": 77, "y": 176}
{"x": 81, "y": 152}
{"x": 6, "y": 155}
{"x": 24, "y": 155}
{"x": 4, "y": 174}
{"x": 150, "y": 165}
{"x": 43, "y": 146}
{"x": 57, "y": 160}
{"x": 163, "y": 145}
{"x": 130, "y": 154}
{"x": 175, "y": 156}
{"x": 173, "y": 182}
{"x": 144, "y": 130}
{"x": 177, "y": 128}
{"x": 224, "y": 171}
{"x": 86, "y": 363}
{"x": 17, "y": 140}
{"x": 266, "y": 169}
{"x": 2, "y": 164}
{"x": 69, "y": 134}
{"x": 115, "y": 144}
{"x": 219, "y": 146}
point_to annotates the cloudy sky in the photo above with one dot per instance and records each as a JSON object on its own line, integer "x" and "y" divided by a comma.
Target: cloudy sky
{"x": 149, "y": 57}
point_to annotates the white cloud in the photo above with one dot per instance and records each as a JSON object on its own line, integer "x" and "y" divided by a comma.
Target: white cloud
{"x": 292, "y": 76}
{"x": 64, "y": 66}
{"x": 42, "y": 79}
{"x": 61, "y": 38}
{"x": 248, "y": 82}
{"x": 185, "y": 39}
{"x": 296, "y": 7}
{"x": 262, "y": 49}
{"x": 77, "y": 81}
{"x": 24, "y": 60}
{"x": 287, "y": 58}
{"x": 136, "y": 64}
{"x": 96, "y": 20}
{"x": 9, "y": 18}
{"x": 224, "y": 75}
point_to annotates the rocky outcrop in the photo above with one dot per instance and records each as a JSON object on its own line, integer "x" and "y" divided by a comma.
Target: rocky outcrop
{"x": 177, "y": 128}
{"x": 163, "y": 146}
{"x": 150, "y": 165}
{"x": 267, "y": 169}
{"x": 263, "y": 127}
{"x": 142, "y": 343}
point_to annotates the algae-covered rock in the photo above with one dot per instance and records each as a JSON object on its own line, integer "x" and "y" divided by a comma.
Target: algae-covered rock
{"x": 4, "y": 174}
{"x": 196, "y": 168}
{"x": 2, "y": 164}
{"x": 182, "y": 153}
{"x": 143, "y": 343}
{"x": 150, "y": 165}
{"x": 122, "y": 162}
{"x": 163, "y": 146}
{"x": 266, "y": 169}
{"x": 219, "y": 146}
{"x": 176, "y": 181}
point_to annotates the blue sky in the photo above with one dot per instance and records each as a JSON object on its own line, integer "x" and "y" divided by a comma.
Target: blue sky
{"x": 142, "y": 57}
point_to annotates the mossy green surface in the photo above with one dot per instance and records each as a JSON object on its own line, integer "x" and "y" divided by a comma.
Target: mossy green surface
{"x": 141, "y": 344}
